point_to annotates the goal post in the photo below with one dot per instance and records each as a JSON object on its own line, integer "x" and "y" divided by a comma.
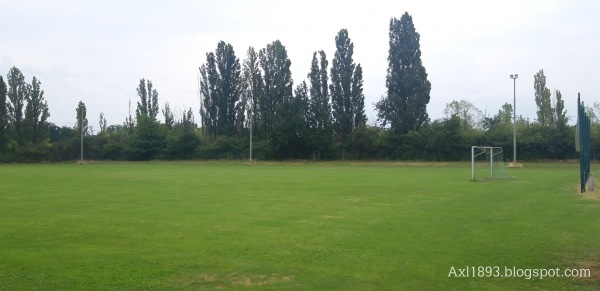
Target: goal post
{"x": 487, "y": 162}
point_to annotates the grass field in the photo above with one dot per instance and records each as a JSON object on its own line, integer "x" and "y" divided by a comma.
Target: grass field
{"x": 274, "y": 226}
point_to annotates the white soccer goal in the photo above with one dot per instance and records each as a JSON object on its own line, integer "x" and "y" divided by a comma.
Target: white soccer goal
{"x": 487, "y": 163}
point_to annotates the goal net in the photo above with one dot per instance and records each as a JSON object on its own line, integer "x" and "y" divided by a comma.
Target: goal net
{"x": 487, "y": 163}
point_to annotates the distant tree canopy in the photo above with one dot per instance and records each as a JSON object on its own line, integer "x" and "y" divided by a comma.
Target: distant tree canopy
{"x": 470, "y": 116}
{"x": 321, "y": 117}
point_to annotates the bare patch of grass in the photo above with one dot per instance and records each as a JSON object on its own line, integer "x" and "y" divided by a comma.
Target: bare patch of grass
{"x": 588, "y": 195}
{"x": 399, "y": 164}
{"x": 593, "y": 266}
{"x": 496, "y": 179}
{"x": 259, "y": 280}
{"x": 235, "y": 279}
{"x": 355, "y": 163}
{"x": 592, "y": 195}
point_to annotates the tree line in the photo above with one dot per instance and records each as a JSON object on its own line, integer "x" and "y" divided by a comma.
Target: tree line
{"x": 321, "y": 117}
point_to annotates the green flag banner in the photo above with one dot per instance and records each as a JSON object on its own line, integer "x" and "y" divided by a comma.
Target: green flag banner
{"x": 582, "y": 142}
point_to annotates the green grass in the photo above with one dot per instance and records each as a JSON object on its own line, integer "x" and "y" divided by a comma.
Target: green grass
{"x": 274, "y": 226}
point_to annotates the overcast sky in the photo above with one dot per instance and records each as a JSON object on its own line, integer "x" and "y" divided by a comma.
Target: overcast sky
{"x": 97, "y": 51}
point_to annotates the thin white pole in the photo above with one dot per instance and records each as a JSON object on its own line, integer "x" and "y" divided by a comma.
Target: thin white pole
{"x": 491, "y": 162}
{"x": 472, "y": 163}
{"x": 514, "y": 77}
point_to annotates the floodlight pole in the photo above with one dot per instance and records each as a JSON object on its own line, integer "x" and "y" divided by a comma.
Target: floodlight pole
{"x": 251, "y": 125}
{"x": 81, "y": 125}
{"x": 514, "y": 77}
{"x": 251, "y": 117}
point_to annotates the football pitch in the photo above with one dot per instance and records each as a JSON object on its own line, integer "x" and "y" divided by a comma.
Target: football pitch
{"x": 294, "y": 226}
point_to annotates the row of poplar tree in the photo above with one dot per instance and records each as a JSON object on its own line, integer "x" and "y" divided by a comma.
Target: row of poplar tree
{"x": 320, "y": 113}
{"x": 23, "y": 115}
{"x": 321, "y": 117}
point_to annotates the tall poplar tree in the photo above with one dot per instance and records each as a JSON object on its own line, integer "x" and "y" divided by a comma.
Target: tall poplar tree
{"x": 221, "y": 89}
{"x": 3, "y": 114}
{"x": 168, "y": 114}
{"x": 209, "y": 95}
{"x": 81, "y": 125}
{"x": 81, "y": 115}
{"x": 320, "y": 109}
{"x": 253, "y": 86}
{"x": 358, "y": 99}
{"x": 347, "y": 99}
{"x": 148, "y": 104}
{"x": 229, "y": 87}
{"x": 319, "y": 116}
{"x": 129, "y": 123}
{"x": 102, "y": 124}
{"x": 277, "y": 86}
{"x": 560, "y": 112}
{"x": 17, "y": 91}
{"x": 36, "y": 113}
{"x": 545, "y": 114}
{"x": 404, "y": 107}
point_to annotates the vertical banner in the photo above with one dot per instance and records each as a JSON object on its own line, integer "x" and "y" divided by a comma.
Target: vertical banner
{"x": 582, "y": 143}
